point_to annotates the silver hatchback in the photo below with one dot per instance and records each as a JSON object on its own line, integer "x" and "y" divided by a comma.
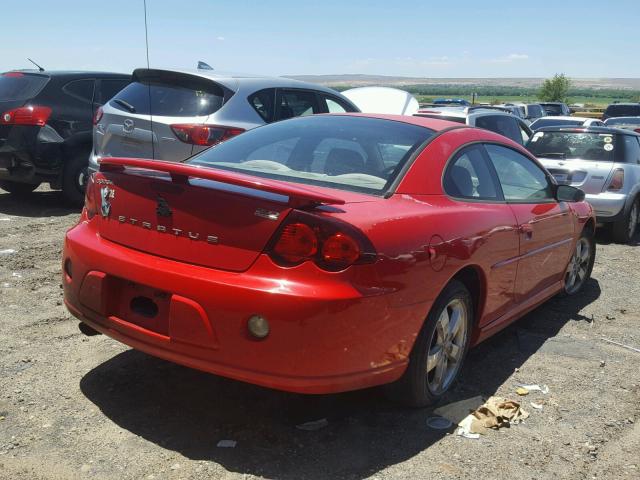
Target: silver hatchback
{"x": 604, "y": 162}
{"x": 172, "y": 115}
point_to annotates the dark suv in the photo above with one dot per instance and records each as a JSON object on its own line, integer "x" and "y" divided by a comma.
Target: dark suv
{"x": 46, "y": 127}
{"x": 622, "y": 110}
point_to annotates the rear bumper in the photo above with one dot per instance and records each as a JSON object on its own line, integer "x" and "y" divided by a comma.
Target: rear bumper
{"x": 31, "y": 154}
{"x": 327, "y": 335}
{"x": 608, "y": 206}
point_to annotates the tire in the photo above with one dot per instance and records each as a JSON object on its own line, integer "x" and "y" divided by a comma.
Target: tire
{"x": 624, "y": 230}
{"x": 74, "y": 179}
{"x": 581, "y": 264}
{"x": 420, "y": 386}
{"x": 18, "y": 189}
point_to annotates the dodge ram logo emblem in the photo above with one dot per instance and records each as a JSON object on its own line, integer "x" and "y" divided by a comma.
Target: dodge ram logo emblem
{"x": 163, "y": 209}
{"x": 106, "y": 194}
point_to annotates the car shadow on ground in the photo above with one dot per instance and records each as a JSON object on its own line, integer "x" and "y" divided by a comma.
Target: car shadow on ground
{"x": 188, "y": 411}
{"x": 605, "y": 237}
{"x": 39, "y": 204}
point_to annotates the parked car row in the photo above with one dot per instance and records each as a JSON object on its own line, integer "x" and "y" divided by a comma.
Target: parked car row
{"x": 47, "y": 135}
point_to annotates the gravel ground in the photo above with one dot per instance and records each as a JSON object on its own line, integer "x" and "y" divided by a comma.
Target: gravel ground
{"x": 87, "y": 407}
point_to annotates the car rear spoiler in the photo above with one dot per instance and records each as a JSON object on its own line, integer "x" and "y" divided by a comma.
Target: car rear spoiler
{"x": 180, "y": 173}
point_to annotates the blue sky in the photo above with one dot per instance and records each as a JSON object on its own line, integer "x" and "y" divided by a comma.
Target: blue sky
{"x": 444, "y": 38}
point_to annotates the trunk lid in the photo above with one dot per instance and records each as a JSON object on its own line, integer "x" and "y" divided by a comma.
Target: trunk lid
{"x": 193, "y": 214}
{"x": 588, "y": 175}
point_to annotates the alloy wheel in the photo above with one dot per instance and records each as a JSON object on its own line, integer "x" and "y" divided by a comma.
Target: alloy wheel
{"x": 578, "y": 266}
{"x": 446, "y": 349}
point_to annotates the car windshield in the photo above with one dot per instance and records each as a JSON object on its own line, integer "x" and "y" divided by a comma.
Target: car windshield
{"x": 565, "y": 145}
{"x": 349, "y": 153}
{"x": 622, "y": 121}
{"x": 20, "y": 86}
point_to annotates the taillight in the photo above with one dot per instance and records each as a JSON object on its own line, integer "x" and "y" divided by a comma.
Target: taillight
{"x": 89, "y": 198}
{"x": 97, "y": 116}
{"x": 617, "y": 180}
{"x": 29, "y": 115}
{"x": 637, "y": 130}
{"x": 331, "y": 244}
{"x": 205, "y": 135}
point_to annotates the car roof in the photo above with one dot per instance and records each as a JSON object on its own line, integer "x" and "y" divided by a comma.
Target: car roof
{"x": 464, "y": 112}
{"x": 432, "y": 123}
{"x": 233, "y": 80}
{"x": 551, "y": 103}
{"x": 610, "y": 130}
{"x": 565, "y": 117}
{"x": 71, "y": 73}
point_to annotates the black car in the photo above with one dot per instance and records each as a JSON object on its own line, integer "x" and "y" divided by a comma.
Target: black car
{"x": 46, "y": 127}
{"x": 622, "y": 110}
{"x": 556, "y": 109}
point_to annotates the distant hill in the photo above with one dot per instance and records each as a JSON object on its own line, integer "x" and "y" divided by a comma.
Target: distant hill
{"x": 360, "y": 80}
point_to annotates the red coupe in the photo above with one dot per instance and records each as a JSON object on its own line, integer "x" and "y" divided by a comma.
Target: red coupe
{"x": 327, "y": 253}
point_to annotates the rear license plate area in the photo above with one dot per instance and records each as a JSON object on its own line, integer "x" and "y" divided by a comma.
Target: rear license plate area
{"x": 139, "y": 304}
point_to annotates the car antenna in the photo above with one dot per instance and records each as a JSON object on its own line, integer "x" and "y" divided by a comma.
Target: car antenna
{"x": 39, "y": 67}
{"x": 146, "y": 43}
{"x": 204, "y": 66}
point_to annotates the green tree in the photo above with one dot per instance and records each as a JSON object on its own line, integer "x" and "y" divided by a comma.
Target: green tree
{"x": 555, "y": 89}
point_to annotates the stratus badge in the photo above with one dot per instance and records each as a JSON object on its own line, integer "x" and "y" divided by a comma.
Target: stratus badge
{"x": 106, "y": 194}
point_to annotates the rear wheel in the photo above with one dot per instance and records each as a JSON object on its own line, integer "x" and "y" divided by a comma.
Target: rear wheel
{"x": 581, "y": 263}
{"x": 74, "y": 178}
{"x": 439, "y": 350}
{"x": 625, "y": 228}
{"x": 17, "y": 188}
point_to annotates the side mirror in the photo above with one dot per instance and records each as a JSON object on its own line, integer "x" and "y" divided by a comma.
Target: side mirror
{"x": 567, "y": 193}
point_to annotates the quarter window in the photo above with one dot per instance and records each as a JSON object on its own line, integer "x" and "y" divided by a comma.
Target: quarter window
{"x": 263, "y": 102}
{"x": 469, "y": 176}
{"x": 520, "y": 178}
{"x": 109, "y": 88}
{"x": 80, "y": 89}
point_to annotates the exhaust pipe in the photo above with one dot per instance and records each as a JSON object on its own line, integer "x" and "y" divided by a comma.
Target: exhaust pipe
{"x": 87, "y": 330}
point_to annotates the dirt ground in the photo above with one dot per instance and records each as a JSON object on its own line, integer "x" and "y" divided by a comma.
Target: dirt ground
{"x": 87, "y": 407}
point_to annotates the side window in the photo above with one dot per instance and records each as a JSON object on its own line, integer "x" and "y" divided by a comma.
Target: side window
{"x": 80, "y": 89}
{"x": 333, "y": 105}
{"x": 502, "y": 124}
{"x": 520, "y": 178}
{"x": 264, "y": 102}
{"x": 296, "y": 103}
{"x": 632, "y": 149}
{"x": 469, "y": 176}
{"x": 109, "y": 88}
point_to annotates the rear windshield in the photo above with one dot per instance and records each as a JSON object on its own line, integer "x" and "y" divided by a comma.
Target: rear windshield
{"x": 349, "y": 153}
{"x": 552, "y": 109}
{"x": 20, "y": 86}
{"x": 622, "y": 121}
{"x": 552, "y": 122}
{"x": 622, "y": 110}
{"x": 167, "y": 100}
{"x": 584, "y": 145}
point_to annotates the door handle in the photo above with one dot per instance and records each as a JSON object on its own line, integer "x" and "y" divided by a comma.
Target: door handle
{"x": 527, "y": 230}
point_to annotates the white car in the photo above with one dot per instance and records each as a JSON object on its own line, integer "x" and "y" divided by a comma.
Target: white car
{"x": 561, "y": 121}
{"x": 495, "y": 119}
